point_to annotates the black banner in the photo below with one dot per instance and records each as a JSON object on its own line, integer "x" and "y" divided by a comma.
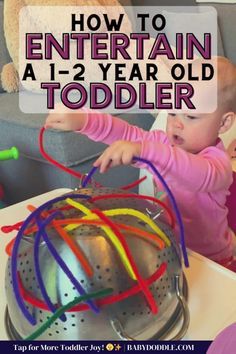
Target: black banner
{"x": 187, "y": 347}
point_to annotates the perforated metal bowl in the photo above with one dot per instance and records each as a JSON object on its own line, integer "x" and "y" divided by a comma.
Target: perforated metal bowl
{"x": 128, "y": 319}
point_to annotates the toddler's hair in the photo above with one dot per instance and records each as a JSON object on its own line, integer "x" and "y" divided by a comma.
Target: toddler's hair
{"x": 226, "y": 71}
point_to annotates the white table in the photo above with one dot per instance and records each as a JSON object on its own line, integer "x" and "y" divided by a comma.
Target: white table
{"x": 212, "y": 288}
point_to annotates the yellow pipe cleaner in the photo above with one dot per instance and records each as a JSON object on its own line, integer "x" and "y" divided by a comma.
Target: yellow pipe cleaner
{"x": 114, "y": 239}
{"x": 127, "y": 211}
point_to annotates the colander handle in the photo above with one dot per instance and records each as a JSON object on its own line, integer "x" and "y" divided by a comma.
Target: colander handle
{"x": 118, "y": 328}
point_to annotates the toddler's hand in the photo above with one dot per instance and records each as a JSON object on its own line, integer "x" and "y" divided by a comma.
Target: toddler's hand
{"x": 61, "y": 118}
{"x": 119, "y": 153}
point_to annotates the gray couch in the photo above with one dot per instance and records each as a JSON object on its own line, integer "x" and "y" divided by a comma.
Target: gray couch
{"x": 31, "y": 174}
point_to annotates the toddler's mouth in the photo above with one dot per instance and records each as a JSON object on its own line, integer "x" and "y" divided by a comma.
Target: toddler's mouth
{"x": 177, "y": 140}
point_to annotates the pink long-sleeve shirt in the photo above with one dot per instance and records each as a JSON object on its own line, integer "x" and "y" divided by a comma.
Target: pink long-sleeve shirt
{"x": 199, "y": 182}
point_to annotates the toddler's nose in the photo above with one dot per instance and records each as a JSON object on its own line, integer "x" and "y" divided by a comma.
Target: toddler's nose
{"x": 178, "y": 122}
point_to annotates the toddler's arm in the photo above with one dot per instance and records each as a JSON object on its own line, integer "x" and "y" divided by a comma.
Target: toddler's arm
{"x": 61, "y": 118}
{"x": 119, "y": 153}
{"x": 208, "y": 171}
{"x": 98, "y": 126}
{"x": 109, "y": 129}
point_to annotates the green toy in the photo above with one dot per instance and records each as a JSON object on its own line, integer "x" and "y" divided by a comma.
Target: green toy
{"x": 9, "y": 154}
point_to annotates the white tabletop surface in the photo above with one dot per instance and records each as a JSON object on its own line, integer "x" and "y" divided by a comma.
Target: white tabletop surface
{"x": 212, "y": 288}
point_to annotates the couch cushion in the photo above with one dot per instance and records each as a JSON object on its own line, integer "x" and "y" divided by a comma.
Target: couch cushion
{"x": 21, "y": 129}
{"x": 181, "y": 22}
{"x": 226, "y": 21}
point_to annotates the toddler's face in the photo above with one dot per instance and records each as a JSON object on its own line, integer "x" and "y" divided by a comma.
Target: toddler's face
{"x": 193, "y": 132}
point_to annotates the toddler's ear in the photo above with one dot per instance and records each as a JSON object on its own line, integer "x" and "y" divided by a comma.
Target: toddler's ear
{"x": 232, "y": 149}
{"x": 226, "y": 122}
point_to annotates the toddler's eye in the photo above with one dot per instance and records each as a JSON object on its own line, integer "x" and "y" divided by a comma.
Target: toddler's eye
{"x": 191, "y": 117}
{"x": 172, "y": 114}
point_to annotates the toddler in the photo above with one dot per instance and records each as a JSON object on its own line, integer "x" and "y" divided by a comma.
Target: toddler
{"x": 190, "y": 156}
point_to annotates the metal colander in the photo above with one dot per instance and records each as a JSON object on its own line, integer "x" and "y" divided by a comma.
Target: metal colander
{"x": 128, "y": 319}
